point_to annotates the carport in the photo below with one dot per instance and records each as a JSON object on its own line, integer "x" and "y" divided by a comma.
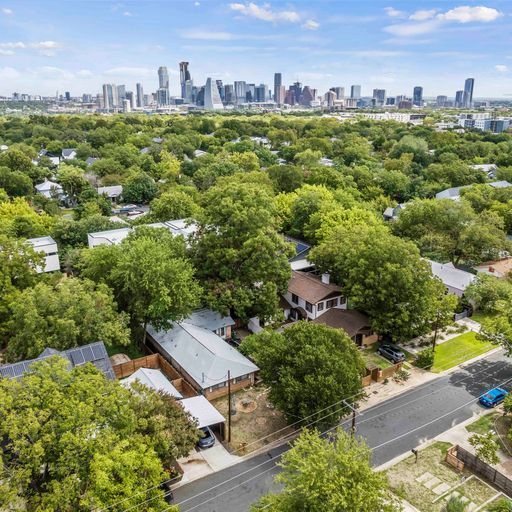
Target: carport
{"x": 204, "y": 413}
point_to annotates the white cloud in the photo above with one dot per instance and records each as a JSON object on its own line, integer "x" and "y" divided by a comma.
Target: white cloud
{"x": 13, "y": 45}
{"x": 54, "y": 73}
{"x": 311, "y": 25}
{"x": 423, "y": 15}
{"x": 6, "y": 52}
{"x": 127, "y": 13}
{"x": 413, "y": 29}
{"x": 394, "y": 13}
{"x": 501, "y": 68}
{"x": 264, "y": 12}
{"x": 47, "y": 48}
{"x": 467, "y": 14}
{"x": 197, "y": 4}
{"x": 6, "y": 11}
{"x": 427, "y": 21}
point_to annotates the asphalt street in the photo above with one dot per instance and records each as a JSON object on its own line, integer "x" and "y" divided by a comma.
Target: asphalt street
{"x": 390, "y": 428}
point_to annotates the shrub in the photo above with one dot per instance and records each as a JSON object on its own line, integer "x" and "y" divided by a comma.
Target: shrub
{"x": 425, "y": 359}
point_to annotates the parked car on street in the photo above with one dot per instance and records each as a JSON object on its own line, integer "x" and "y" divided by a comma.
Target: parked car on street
{"x": 208, "y": 439}
{"x": 391, "y": 353}
{"x": 493, "y": 397}
{"x": 168, "y": 495}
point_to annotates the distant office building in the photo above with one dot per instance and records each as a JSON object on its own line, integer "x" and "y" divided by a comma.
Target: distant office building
{"x": 184, "y": 78}
{"x": 126, "y": 106}
{"x": 86, "y": 98}
{"x": 307, "y": 97}
{"x": 229, "y": 93}
{"x": 468, "y": 93}
{"x": 390, "y": 101}
{"x": 140, "y": 96}
{"x": 261, "y": 93}
{"x": 240, "y": 90}
{"x": 441, "y": 101}
{"x": 379, "y": 95}
{"x": 250, "y": 92}
{"x": 220, "y": 86}
{"x": 405, "y": 104}
{"x": 339, "y": 91}
{"x": 129, "y": 97}
{"x": 329, "y": 97}
{"x": 278, "y": 82}
{"x": 163, "y": 94}
{"x": 110, "y": 98}
{"x": 212, "y": 99}
{"x": 297, "y": 91}
{"x": 121, "y": 94}
{"x": 289, "y": 97}
{"x": 67, "y": 95}
{"x": 355, "y": 91}
{"x": 417, "y": 96}
{"x": 459, "y": 99}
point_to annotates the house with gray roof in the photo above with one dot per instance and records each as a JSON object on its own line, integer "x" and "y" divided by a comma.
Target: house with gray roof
{"x": 454, "y": 192}
{"x": 112, "y": 192}
{"x": 94, "y": 353}
{"x": 69, "y": 153}
{"x": 201, "y": 356}
{"x": 455, "y": 280}
{"x": 48, "y": 247}
{"x": 50, "y": 189}
{"x": 91, "y": 160}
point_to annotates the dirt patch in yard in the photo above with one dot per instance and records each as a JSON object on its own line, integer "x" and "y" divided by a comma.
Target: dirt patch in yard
{"x": 256, "y": 423}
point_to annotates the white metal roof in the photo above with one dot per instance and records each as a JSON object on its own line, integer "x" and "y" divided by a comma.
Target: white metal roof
{"x": 202, "y": 410}
{"x": 153, "y": 379}
{"x": 42, "y": 241}
{"x": 205, "y": 356}
{"x": 451, "y": 277}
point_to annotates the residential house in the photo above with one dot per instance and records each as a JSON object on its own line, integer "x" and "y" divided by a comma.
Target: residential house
{"x": 488, "y": 169}
{"x": 153, "y": 379}
{"x": 455, "y": 280}
{"x": 116, "y": 236}
{"x": 309, "y": 296}
{"x": 50, "y": 189}
{"x": 48, "y": 246}
{"x": 354, "y": 323}
{"x": 198, "y": 153}
{"x": 69, "y": 154}
{"x": 3, "y": 148}
{"x": 299, "y": 260}
{"x": 326, "y": 162}
{"x": 94, "y": 353}
{"x": 499, "y": 268}
{"x": 157, "y": 140}
{"x": 219, "y": 324}
{"x": 201, "y": 356}
{"x": 54, "y": 159}
{"x": 91, "y": 160}
{"x": 454, "y": 192}
{"x": 112, "y": 192}
{"x": 392, "y": 213}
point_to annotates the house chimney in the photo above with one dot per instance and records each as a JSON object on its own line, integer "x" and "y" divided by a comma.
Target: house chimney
{"x": 326, "y": 278}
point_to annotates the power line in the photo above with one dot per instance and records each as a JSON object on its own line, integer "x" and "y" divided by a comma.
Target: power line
{"x": 340, "y": 424}
{"x": 322, "y": 433}
{"x": 298, "y": 430}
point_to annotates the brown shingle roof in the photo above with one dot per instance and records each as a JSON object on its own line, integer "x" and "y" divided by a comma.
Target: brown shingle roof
{"x": 310, "y": 287}
{"x": 349, "y": 320}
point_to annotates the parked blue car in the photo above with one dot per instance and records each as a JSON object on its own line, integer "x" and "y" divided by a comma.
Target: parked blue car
{"x": 493, "y": 397}
{"x": 208, "y": 439}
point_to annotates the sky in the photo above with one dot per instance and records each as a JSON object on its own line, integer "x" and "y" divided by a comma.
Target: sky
{"x": 73, "y": 45}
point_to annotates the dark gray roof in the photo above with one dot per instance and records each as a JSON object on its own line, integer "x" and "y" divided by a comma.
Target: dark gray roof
{"x": 91, "y": 160}
{"x": 68, "y": 151}
{"x": 94, "y": 353}
{"x": 301, "y": 248}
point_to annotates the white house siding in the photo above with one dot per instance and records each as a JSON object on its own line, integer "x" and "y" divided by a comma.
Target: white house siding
{"x": 314, "y": 312}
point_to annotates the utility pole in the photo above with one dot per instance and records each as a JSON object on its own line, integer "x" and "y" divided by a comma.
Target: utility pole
{"x": 354, "y": 412}
{"x": 229, "y": 406}
{"x": 435, "y": 332}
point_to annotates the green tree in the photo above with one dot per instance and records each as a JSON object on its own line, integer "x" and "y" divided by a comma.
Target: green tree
{"x": 240, "y": 257}
{"x": 487, "y": 292}
{"x": 486, "y": 447}
{"x": 286, "y": 178}
{"x": 151, "y": 278}
{"x": 173, "y": 204}
{"x": 75, "y": 441}
{"x": 455, "y": 504}
{"x": 309, "y": 367}
{"x": 384, "y": 276}
{"x": 139, "y": 188}
{"x": 72, "y": 313}
{"x": 319, "y": 475}
{"x": 18, "y": 219}
{"x": 72, "y": 181}
{"x": 15, "y": 183}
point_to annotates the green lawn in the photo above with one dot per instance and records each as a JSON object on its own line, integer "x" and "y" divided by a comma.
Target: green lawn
{"x": 483, "y": 424}
{"x": 480, "y": 316}
{"x": 459, "y": 349}
{"x": 371, "y": 357}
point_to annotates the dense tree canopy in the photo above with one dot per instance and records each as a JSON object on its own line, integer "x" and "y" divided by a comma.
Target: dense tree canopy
{"x": 76, "y": 441}
{"x": 310, "y": 369}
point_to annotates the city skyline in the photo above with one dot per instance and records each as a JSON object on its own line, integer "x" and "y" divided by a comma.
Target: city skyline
{"x": 392, "y": 46}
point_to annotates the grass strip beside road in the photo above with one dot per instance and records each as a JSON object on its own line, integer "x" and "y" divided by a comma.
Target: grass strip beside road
{"x": 459, "y": 350}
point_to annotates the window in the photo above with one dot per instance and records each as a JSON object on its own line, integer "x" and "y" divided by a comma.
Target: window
{"x": 320, "y": 306}
{"x": 295, "y": 299}
{"x": 343, "y": 300}
{"x": 332, "y": 303}
{"x": 309, "y": 307}
{"x": 221, "y": 332}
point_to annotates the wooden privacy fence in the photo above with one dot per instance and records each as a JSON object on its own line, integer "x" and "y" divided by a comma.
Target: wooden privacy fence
{"x": 461, "y": 458}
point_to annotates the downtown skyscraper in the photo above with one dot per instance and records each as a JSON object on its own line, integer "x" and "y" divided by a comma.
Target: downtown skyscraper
{"x": 163, "y": 94}
{"x": 467, "y": 99}
{"x": 186, "y": 82}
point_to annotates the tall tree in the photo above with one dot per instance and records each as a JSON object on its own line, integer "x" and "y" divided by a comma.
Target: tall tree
{"x": 319, "y": 475}
{"x": 75, "y": 441}
{"x": 73, "y": 312}
{"x": 240, "y": 257}
{"x": 384, "y": 276}
{"x": 309, "y": 367}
